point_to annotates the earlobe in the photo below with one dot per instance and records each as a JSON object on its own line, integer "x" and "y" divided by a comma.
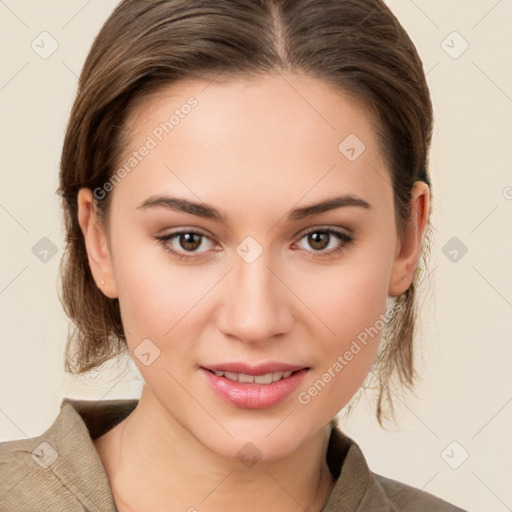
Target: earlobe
{"x": 409, "y": 247}
{"x": 96, "y": 244}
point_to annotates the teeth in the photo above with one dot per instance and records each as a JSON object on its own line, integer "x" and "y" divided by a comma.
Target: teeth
{"x": 256, "y": 379}
{"x": 263, "y": 379}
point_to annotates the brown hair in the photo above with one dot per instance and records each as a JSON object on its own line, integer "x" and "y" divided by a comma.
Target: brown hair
{"x": 357, "y": 46}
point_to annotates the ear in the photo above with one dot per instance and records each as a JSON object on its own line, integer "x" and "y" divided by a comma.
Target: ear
{"x": 409, "y": 247}
{"x": 95, "y": 238}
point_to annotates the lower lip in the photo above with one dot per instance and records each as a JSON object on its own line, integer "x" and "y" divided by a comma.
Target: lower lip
{"x": 254, "y": 396}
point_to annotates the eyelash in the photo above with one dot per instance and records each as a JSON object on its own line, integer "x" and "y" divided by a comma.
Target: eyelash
{"x": 343, "y": 237}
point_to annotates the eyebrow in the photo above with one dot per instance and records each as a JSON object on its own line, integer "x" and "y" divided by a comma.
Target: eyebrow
{"x": 209, "y": 212}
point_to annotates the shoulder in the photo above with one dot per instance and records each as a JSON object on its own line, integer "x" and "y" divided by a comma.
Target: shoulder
{"x": 406, "y": 498}
{"x": 58, "y": 470}
{"x": 358, "y": 488}
{"x": 28, "y": 479}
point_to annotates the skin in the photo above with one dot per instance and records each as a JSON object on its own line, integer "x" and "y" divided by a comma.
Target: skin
{"x": 253, "y": 149}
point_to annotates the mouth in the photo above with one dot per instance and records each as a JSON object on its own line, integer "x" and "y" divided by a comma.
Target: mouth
{"x": 254, "y": 387}
{"x": 266, "y": 378}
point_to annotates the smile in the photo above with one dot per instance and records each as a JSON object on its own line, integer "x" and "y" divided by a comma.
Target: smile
{"x": 258, "y": 391}
{"x": 267, "y": 378}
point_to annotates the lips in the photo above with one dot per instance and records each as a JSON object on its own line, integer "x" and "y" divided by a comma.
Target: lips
{"x": 258, "y": 369}
{"x": 254, "y": 387}
{"x": 267, "y": 378}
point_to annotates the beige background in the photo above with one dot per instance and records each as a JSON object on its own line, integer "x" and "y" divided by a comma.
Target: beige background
{"x": 466, "y": 393}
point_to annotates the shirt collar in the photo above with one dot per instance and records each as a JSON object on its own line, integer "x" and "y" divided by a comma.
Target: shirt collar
{"x": 82, "y": 471}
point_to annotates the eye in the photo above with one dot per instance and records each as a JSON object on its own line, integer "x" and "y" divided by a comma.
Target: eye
{"x": 185, "y": 243}
{"x": 328, "y": 238}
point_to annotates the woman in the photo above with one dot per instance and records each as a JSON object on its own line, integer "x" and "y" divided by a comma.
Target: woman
{"x": 246, "y": 200}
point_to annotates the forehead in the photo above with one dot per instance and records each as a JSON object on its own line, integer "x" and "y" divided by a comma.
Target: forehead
{"x": 275, "y": 133}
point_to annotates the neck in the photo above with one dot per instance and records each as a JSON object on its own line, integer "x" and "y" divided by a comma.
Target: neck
{"x": 153, "y": 463}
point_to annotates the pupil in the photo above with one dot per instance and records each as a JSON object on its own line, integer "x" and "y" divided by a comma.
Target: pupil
{"x": 191, "y": 240}
{"x": 317, "y": 240}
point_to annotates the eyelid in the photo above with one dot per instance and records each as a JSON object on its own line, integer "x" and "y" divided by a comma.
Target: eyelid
{"x": 340, "y": 233}
{"x": 337, "y": 229}
{"x": 344, "y": 239}
{"x": 185, "y": 230}
{"x": 165, "y": 240}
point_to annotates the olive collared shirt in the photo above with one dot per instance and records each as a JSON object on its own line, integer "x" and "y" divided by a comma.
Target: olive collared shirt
{"x": 61, "y": 469}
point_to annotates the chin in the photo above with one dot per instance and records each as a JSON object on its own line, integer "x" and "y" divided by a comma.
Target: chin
{"x": 253, "y": 447}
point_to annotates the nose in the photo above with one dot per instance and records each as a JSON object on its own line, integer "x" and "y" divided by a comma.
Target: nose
{"x": 256, "y": 303}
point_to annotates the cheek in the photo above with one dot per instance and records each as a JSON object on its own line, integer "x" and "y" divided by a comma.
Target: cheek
{"x": 353, "y": 310}
{"x": 347, "y": 298}
{"x": 153, "y": 293}
{"x": 351, "y": 304}
{"x": 161, "y": 300}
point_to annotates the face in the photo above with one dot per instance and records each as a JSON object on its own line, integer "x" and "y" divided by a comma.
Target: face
{"x": 221, "y": 263}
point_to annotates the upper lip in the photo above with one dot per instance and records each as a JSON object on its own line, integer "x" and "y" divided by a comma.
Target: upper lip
{"x": 258, "y": 369}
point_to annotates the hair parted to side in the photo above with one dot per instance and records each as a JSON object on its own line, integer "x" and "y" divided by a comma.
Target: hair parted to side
{"x": 357, "y": 46}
